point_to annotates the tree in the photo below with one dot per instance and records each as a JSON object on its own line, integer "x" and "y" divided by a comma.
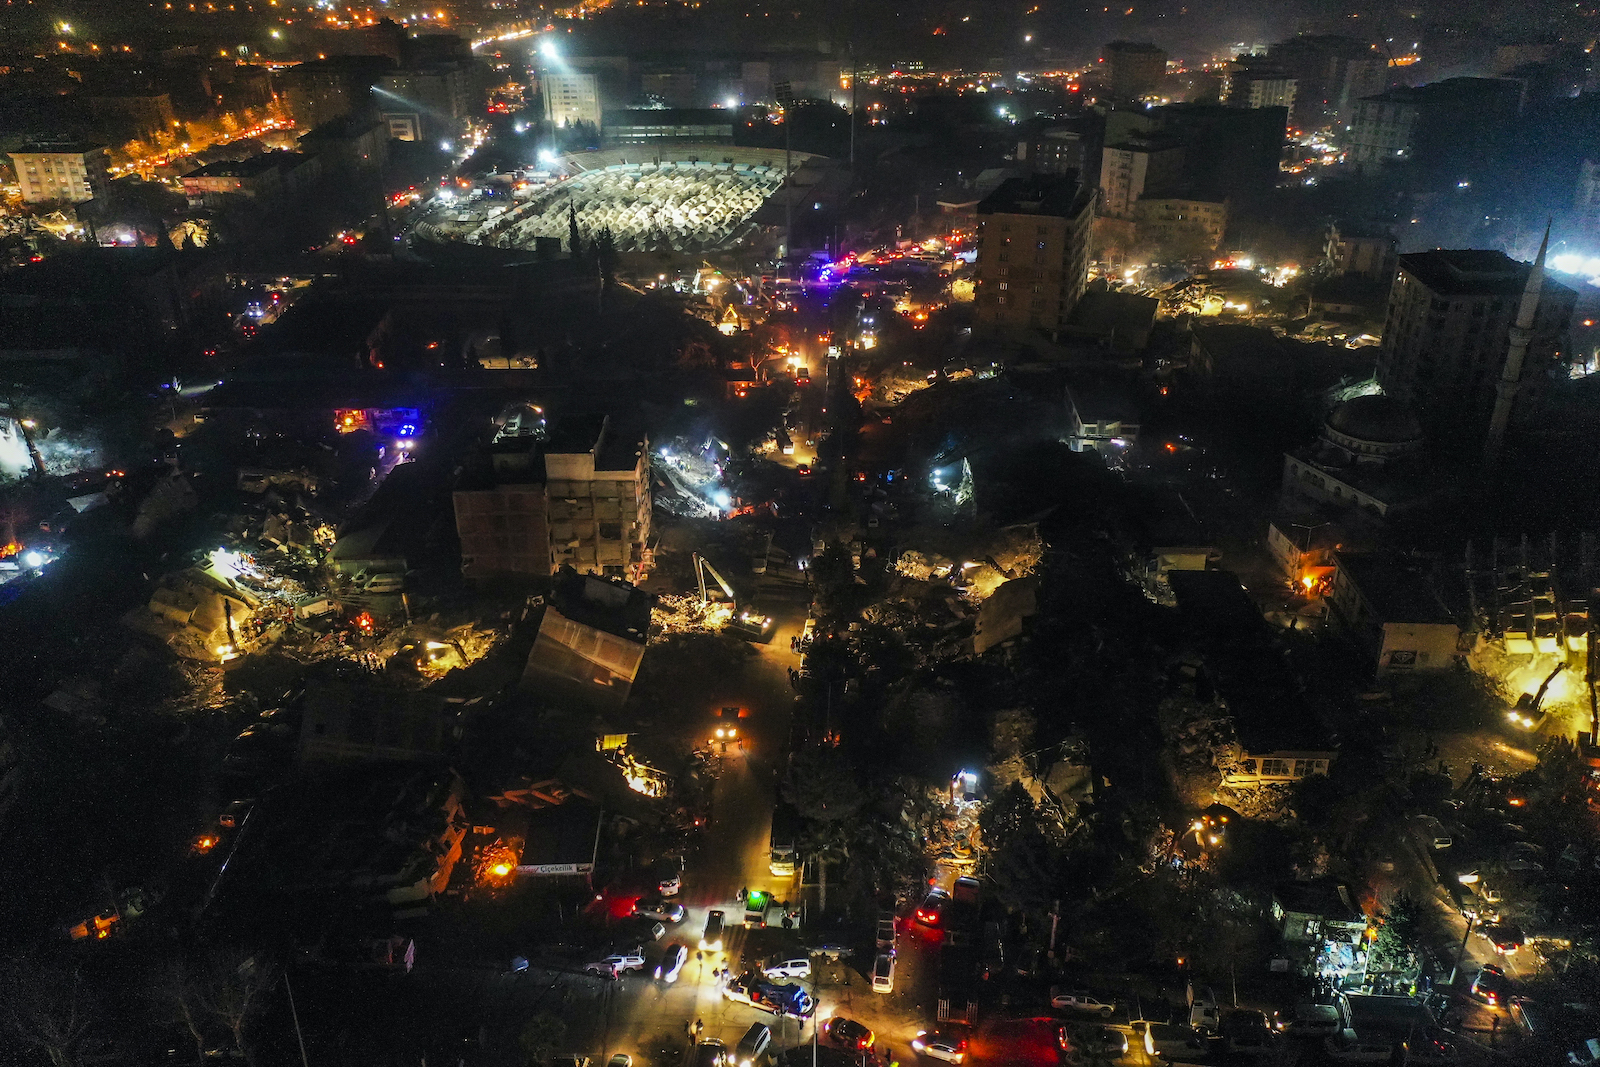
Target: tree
{"x": 1401, "y": 931}
{"x": 227, "y": 989}
{"x": 605, "y": 253}
{"x": 574, "y": 238}
{"x": 44, "y": 1008}
{"x": 823, "y": 787}
{"x": 541, "y": 1035}
{"x": 1023, "y": 854}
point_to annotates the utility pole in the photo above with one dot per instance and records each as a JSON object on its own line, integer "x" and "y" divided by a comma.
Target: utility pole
{"x": 295, "y": 1015}
{"x": 853, "y": 71}
{"x": 784, "y": 91}
{"x": 1460, "y": 952}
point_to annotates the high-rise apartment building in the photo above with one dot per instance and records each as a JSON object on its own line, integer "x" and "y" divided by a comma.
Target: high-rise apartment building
{"x": 598, "y": 483}
{"x": 426, "y": 103}
{"x": 570, "y": 98}
{"x": 581, "y": 499}
{"x": 1134, "y": 69}
{"x": 1325, "y": 69}
{"x": 1128, "y": 169}
{"x": 322, "y": 90}
{"x": 1255, "y": 86}
{"x": 1426, "y": 123}
{"x": 1033, "y": 251}
{"x": 1448, "y": 331}
{"x": 64, "y": 171}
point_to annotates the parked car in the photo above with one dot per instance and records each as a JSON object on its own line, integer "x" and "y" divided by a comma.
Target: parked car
{"x": 886, "y": 931}
{"x": 938, "y": 1045}
{"x": 1434, "y": 833}
{"x": 1203, "y": 1014}
{"x": 799, "y": 967}
{"x": 1347, "y": 1046}
{"x": 571, "y": 1059}
{"x": 1478, "y": 912}
{"x": 667, "y": 911}
{"x": 1170, "y": 1041}
{"x": 1248, "y": 1032}
{"x": 614, "y": 964}
{"x": 966, "y": 889}
{"x": 234, "y": 814}
{"x": 1087, "y": 1002}
{"x": 711, "y": 939}
{"x": 1315, "y": 1020}
{"x": 883, "y": 973}
{"x": 672, "y": 963}
{"x": 1490, "y": 986}
{"x": 1100, "y": 1042}
{"x": 849, "y": 1033}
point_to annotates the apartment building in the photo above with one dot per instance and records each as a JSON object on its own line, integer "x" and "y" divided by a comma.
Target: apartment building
{"x": 1033, "y": 251}
{"x": 52, "y": 172}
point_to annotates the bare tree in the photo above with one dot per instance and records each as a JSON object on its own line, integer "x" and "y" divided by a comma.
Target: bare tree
{"x": 237, "y": 987}
{"x": 45, "y": 1008}
{"x": 177, "y": 996}
{"x": 226, "y": 989}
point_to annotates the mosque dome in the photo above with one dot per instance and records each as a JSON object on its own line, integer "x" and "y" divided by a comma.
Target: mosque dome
{"x": 1376, "y": 419}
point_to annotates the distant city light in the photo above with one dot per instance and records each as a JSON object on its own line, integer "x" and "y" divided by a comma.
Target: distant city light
{"x": 446, "y": 145}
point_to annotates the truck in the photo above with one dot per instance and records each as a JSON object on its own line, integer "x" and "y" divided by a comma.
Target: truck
{"x": 755, "y": 906}
{"x": 785, "y": 856}
{"x": 776, "y": 997}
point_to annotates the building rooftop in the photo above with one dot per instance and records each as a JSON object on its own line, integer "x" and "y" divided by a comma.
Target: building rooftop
{"x": 1376, "y": 418}
{"x": 1113, "y": 314}
{"x": 1039, "y": 194}
{"x": 250, "y": 167}
{"x": 1136, "y": 46}
{"x": 575, "y": 434}
{"x": 345, "y": 127}
{"x": 610, "y": 605}
{"x": 670, "y": 116}
{"x": 1470, "y": 272}
{"x": 1322, "y": 896}
{"x": 71, "y": 148}
{"x": 1399, "y": 590}
{"x": 341, "y": 64}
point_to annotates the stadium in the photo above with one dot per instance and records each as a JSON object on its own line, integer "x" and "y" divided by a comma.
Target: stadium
{"x": 701, "y": 199}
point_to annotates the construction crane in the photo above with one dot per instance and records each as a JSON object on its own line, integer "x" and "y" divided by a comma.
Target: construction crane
{"x": 746, "y": 622}
{"x": 1528, "y": 713}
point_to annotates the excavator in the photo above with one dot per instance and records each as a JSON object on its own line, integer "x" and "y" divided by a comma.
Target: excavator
{"x": 1529, "y": 712}
{"x": 746, "y": 622}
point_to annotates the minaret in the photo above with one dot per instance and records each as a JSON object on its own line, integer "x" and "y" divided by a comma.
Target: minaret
{"x": 1505, "y": 390}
